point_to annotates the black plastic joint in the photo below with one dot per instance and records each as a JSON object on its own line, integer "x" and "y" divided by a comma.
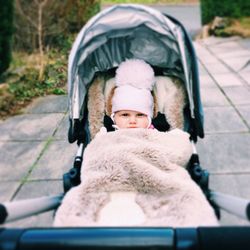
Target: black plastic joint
{"x": 3, "y": 213}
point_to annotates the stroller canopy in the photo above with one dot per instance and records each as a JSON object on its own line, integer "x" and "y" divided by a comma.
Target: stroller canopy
{"x": 133, "y": 31}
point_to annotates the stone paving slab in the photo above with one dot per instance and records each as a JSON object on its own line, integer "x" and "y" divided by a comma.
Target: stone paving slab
{"x": 245, "y": 112}
{"x": 228, "y": 80}
{"x": 238, "y": 95}
{"x": 225, "y": 153}
{"x": 57, "y": 160}
{"x": 206, "y": 81}
{"x": 62, "y": 130}
{"x": 234, "y": 55}
{"x": 222, "y": 120}
{"x": 237, "y": 64}
{"x": 225, "y": 47}
{"x": 246, "y": 76}
{"x": 207, "y": 58}
{"x": 7, "y": 190}
{"x": 202, "y": 70}
{"x": 30, "y": 126}
{"x": 17, "y": 158}
{"x": 50, "y": 104}
{"x": 212, "y": 96}
{"x": 215, "y": 41}
{"x": 217, "y": 68}
{"x": 245, "y": 43}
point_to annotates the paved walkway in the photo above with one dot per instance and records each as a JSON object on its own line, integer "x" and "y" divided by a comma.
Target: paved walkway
{"x": 34, "y": 151}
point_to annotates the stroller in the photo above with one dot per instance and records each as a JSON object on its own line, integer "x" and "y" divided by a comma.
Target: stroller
{"x": 115, "y": 34}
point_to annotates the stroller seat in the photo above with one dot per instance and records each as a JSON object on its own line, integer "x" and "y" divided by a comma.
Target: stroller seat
{"x": 170, "y": 98}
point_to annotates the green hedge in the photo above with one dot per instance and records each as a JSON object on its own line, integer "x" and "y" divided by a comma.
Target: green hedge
{"x": 6, "y": 29}
{"x": 224, "y": 8}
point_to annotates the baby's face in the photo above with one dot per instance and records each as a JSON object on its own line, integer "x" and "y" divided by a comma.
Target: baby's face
{"x": 130, "y": 119}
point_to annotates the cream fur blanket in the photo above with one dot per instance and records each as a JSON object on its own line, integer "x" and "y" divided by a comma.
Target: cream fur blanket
{"x": 136, "y": 177}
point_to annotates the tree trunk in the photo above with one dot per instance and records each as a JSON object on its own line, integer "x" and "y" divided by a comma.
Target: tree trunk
{"x": 40, "y": 38}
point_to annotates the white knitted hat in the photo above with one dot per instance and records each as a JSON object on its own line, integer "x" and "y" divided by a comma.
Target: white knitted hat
{"x": 134, "y": 80}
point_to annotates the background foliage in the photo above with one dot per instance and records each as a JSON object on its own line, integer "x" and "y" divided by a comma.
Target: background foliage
{"x": 6, "y": 29}
{"x": 44, "y": 31}
{"x": 59, "y": 19}
{"x": 224, "y": 8}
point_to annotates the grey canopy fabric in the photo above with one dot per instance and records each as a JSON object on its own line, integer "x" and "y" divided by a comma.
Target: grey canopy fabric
{"x": 121, "y": 32}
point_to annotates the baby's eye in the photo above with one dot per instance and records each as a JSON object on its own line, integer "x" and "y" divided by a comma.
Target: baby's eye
{"x": 141, "y": 115}
{"x": 125, "y": 114}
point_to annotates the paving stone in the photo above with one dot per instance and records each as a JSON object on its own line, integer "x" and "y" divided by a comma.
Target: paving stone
{"x": 246, "y": 67}
{"x": 228, "y": 219}
{"x": 246, "y": 76}
{"x": 245, "y": 43}
{"x": 222, "y": 48}
{"x": 50, "y": 104}
{"x": 217, "y": 68}
{"x": 239, "y": 184}
{"x": 204, "y": 55}
{"x": 207, "y": 58}
{"x": 30, "y": 127}
{"x": 225, "y": 153}
{"x": 7, "y": 190}
{"x": 245, "y": 112}
{"x": 17, "y": 158}
{"x": 215, "y": 41}
{"x": 237, "y": 64}
{"x": 62, "y": 131}
{"x": 200, "y": 49}
{"x": 202, "y": 70}
{"x": 238, "y": 95}
{"x": 206, "y": 81}
{"x": 212, "y": 97}
{"x": 36, "y": 190}
{"x": 57, "y": 160}
{"x": 223, "y": 119}
{"x": 227, "y": 80}
{"x": 235, "y": 54}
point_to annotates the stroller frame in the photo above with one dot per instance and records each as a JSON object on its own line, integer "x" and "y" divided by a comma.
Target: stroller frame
{"x": 146, "y": 238}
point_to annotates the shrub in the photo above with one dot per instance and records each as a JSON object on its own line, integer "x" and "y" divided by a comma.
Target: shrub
{"x": 24, "y": 84}
{"x": 223, "y": 8}
{"x": 6, "y": 29}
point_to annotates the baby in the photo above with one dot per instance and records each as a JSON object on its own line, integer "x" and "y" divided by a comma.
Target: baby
{"x": 132, "y": 102}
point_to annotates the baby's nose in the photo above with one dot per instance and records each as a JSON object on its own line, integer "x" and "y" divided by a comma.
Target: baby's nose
{"x": 132, "y": 119}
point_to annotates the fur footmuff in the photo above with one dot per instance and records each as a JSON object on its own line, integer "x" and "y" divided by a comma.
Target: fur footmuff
{"x": 142, "y": 171}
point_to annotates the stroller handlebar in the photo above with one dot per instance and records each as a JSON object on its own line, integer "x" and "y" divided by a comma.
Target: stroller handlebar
{"x": 234, "y": 205}
{"x": 206, "y": 238}
{"x": 15, "y": 210}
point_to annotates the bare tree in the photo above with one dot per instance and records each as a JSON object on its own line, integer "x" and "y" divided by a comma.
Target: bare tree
{"x": 42, "y": 18}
